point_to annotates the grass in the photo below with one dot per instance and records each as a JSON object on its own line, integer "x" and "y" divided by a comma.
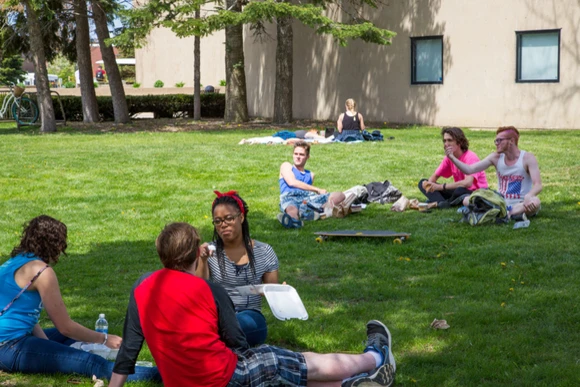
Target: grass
{"x": 510, "y": 296}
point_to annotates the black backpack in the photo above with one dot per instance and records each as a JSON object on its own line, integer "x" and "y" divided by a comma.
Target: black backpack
{"x": 382, "y": 193}
{"x": 376, "y": 135}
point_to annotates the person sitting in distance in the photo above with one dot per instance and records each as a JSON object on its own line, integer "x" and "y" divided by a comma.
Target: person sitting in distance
{"x": 518, "y": 174}
{"x": 350, "y": 124}
{"x": 296, "y": 187}
{"x": 452, "y": 194}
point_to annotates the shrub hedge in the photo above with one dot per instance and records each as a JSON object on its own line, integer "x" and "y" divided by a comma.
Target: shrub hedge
{"x": 162, "y": 106}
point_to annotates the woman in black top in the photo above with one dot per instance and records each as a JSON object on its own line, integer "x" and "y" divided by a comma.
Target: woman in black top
{"x": 350, "y": 124}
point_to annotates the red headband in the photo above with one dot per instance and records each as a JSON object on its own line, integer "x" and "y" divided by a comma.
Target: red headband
{"x": 233, "y": 195}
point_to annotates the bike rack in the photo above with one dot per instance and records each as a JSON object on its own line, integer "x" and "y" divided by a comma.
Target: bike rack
{"x": 39, "y": 122}
{"x": 4, "y": 90}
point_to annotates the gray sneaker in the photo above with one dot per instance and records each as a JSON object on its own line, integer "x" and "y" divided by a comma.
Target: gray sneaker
{"x": 379, "y": 339}
{"x": 380, "y": 376}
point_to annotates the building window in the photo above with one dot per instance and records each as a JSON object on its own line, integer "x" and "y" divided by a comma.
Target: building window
{"x": 538, "y": 56}
{"x": 427, "y": 60}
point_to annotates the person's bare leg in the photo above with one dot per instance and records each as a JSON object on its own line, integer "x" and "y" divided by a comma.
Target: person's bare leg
{"x": 337, "y": 366}
{"x": 334, "y": 199}
{"x": 519, "y": 208}
{"x": 293, "y": 212}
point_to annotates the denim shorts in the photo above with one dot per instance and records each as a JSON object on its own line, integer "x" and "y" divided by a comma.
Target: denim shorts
{"x": 296, "y": 198}
{"x": 270, "y": 366}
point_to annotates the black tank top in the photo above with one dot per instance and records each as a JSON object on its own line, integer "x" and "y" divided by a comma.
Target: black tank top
{"x": 350, "y": 123}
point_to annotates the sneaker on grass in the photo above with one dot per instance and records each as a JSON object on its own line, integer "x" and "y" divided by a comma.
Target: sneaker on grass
{"x": 379, "y": 340}
{"x": 288, "y": 222}
{"x": 380, "y": 376}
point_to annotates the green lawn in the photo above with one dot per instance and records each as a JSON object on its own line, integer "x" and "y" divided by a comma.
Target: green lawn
{"x": 510, "y": 296}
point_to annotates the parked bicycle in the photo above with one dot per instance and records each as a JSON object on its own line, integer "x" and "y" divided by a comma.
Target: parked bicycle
{"x": 24, "y": 110}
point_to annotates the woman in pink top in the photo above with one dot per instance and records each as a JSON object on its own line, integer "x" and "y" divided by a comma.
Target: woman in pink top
{"x": 452, "y": 193}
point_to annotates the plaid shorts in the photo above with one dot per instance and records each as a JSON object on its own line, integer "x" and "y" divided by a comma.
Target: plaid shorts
{"x": 267, "y": 365}
{"x": 295, "y": 198}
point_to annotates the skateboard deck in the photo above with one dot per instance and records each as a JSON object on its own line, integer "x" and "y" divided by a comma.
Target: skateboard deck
{"x": 400, "y": 237}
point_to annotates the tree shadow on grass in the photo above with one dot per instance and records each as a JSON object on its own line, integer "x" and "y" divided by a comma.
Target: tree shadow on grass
{"x": 345, "y": 284}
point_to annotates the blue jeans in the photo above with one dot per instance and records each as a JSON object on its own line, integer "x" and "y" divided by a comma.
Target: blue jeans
{"x": 253, "y": 324}
{"x": 32, "y": 355}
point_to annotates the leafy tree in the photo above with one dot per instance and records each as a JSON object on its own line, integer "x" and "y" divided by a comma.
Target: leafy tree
{"x": 11, "y": 70}
{"x": 62, "y": 67}
{"x": 40, "y": 30}
{"x": 23, "y": 22}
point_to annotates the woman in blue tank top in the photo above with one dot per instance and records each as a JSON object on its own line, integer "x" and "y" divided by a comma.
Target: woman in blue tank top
{"x": 350, "y": 124}
{"x": 30, "y": 285}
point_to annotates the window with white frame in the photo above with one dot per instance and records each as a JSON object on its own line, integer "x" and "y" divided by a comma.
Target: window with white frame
{"x": 427, "y": 60}
{"x": 538, "y": 56}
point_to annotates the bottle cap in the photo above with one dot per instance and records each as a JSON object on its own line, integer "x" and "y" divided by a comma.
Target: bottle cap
{"x": 102, "y": 315}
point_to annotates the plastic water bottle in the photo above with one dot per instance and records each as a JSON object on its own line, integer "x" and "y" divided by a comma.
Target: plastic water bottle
{"x": 304, "y": 211}
{"x": 102, "y": 325}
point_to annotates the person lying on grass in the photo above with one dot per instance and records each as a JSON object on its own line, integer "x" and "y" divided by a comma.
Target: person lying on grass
{"x": 192, "y": 331}
{"x": 29, "y": 284}
{"x": 518, "y": 174}
{"x": 452, "y": 194}
{"x": 239, "y": 260}
{"x": 296, "y": 187}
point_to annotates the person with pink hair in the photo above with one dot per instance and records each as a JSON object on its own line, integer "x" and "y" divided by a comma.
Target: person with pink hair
{"x": 518, "y": 173}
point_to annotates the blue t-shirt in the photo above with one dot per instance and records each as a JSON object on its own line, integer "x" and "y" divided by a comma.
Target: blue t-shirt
{"x": 20, "y": 318}
{"x": 305, "y": 177}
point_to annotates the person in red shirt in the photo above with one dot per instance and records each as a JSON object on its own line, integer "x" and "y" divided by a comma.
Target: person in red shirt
{"x": 100, "y": 74}
{"x": 193, "y": 334}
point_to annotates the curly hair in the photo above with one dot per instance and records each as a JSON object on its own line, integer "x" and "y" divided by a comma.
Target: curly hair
{"x": 178, "y": 245}
{"x": 457, "y": 135}
{"x": 44, "y": 237}
{"x": 219, "y": 243}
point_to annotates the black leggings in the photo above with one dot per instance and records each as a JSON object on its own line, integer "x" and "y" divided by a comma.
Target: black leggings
{"x": 453, "y": 196}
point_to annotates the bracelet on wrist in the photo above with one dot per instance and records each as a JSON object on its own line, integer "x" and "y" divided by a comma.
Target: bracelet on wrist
{"x": 106, "y": 337}
{"x": 444, "y": 186}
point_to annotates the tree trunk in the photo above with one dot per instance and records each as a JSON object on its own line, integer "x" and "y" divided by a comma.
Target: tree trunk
{"x": 120, "y": 109}
{"x": 196, "y": 75}
{"x": 83, "y": 46}
{"x": 284, "y": 71}
{"x": 236, "y": 101}
{"x": 48, "y": 121}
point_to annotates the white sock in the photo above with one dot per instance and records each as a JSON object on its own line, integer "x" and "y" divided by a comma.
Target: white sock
{"x": 378, "y": 357}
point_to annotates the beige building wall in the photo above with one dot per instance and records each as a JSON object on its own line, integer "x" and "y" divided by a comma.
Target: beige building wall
{"x": 167, "y": 58}
{"x": 479, "y": 88}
